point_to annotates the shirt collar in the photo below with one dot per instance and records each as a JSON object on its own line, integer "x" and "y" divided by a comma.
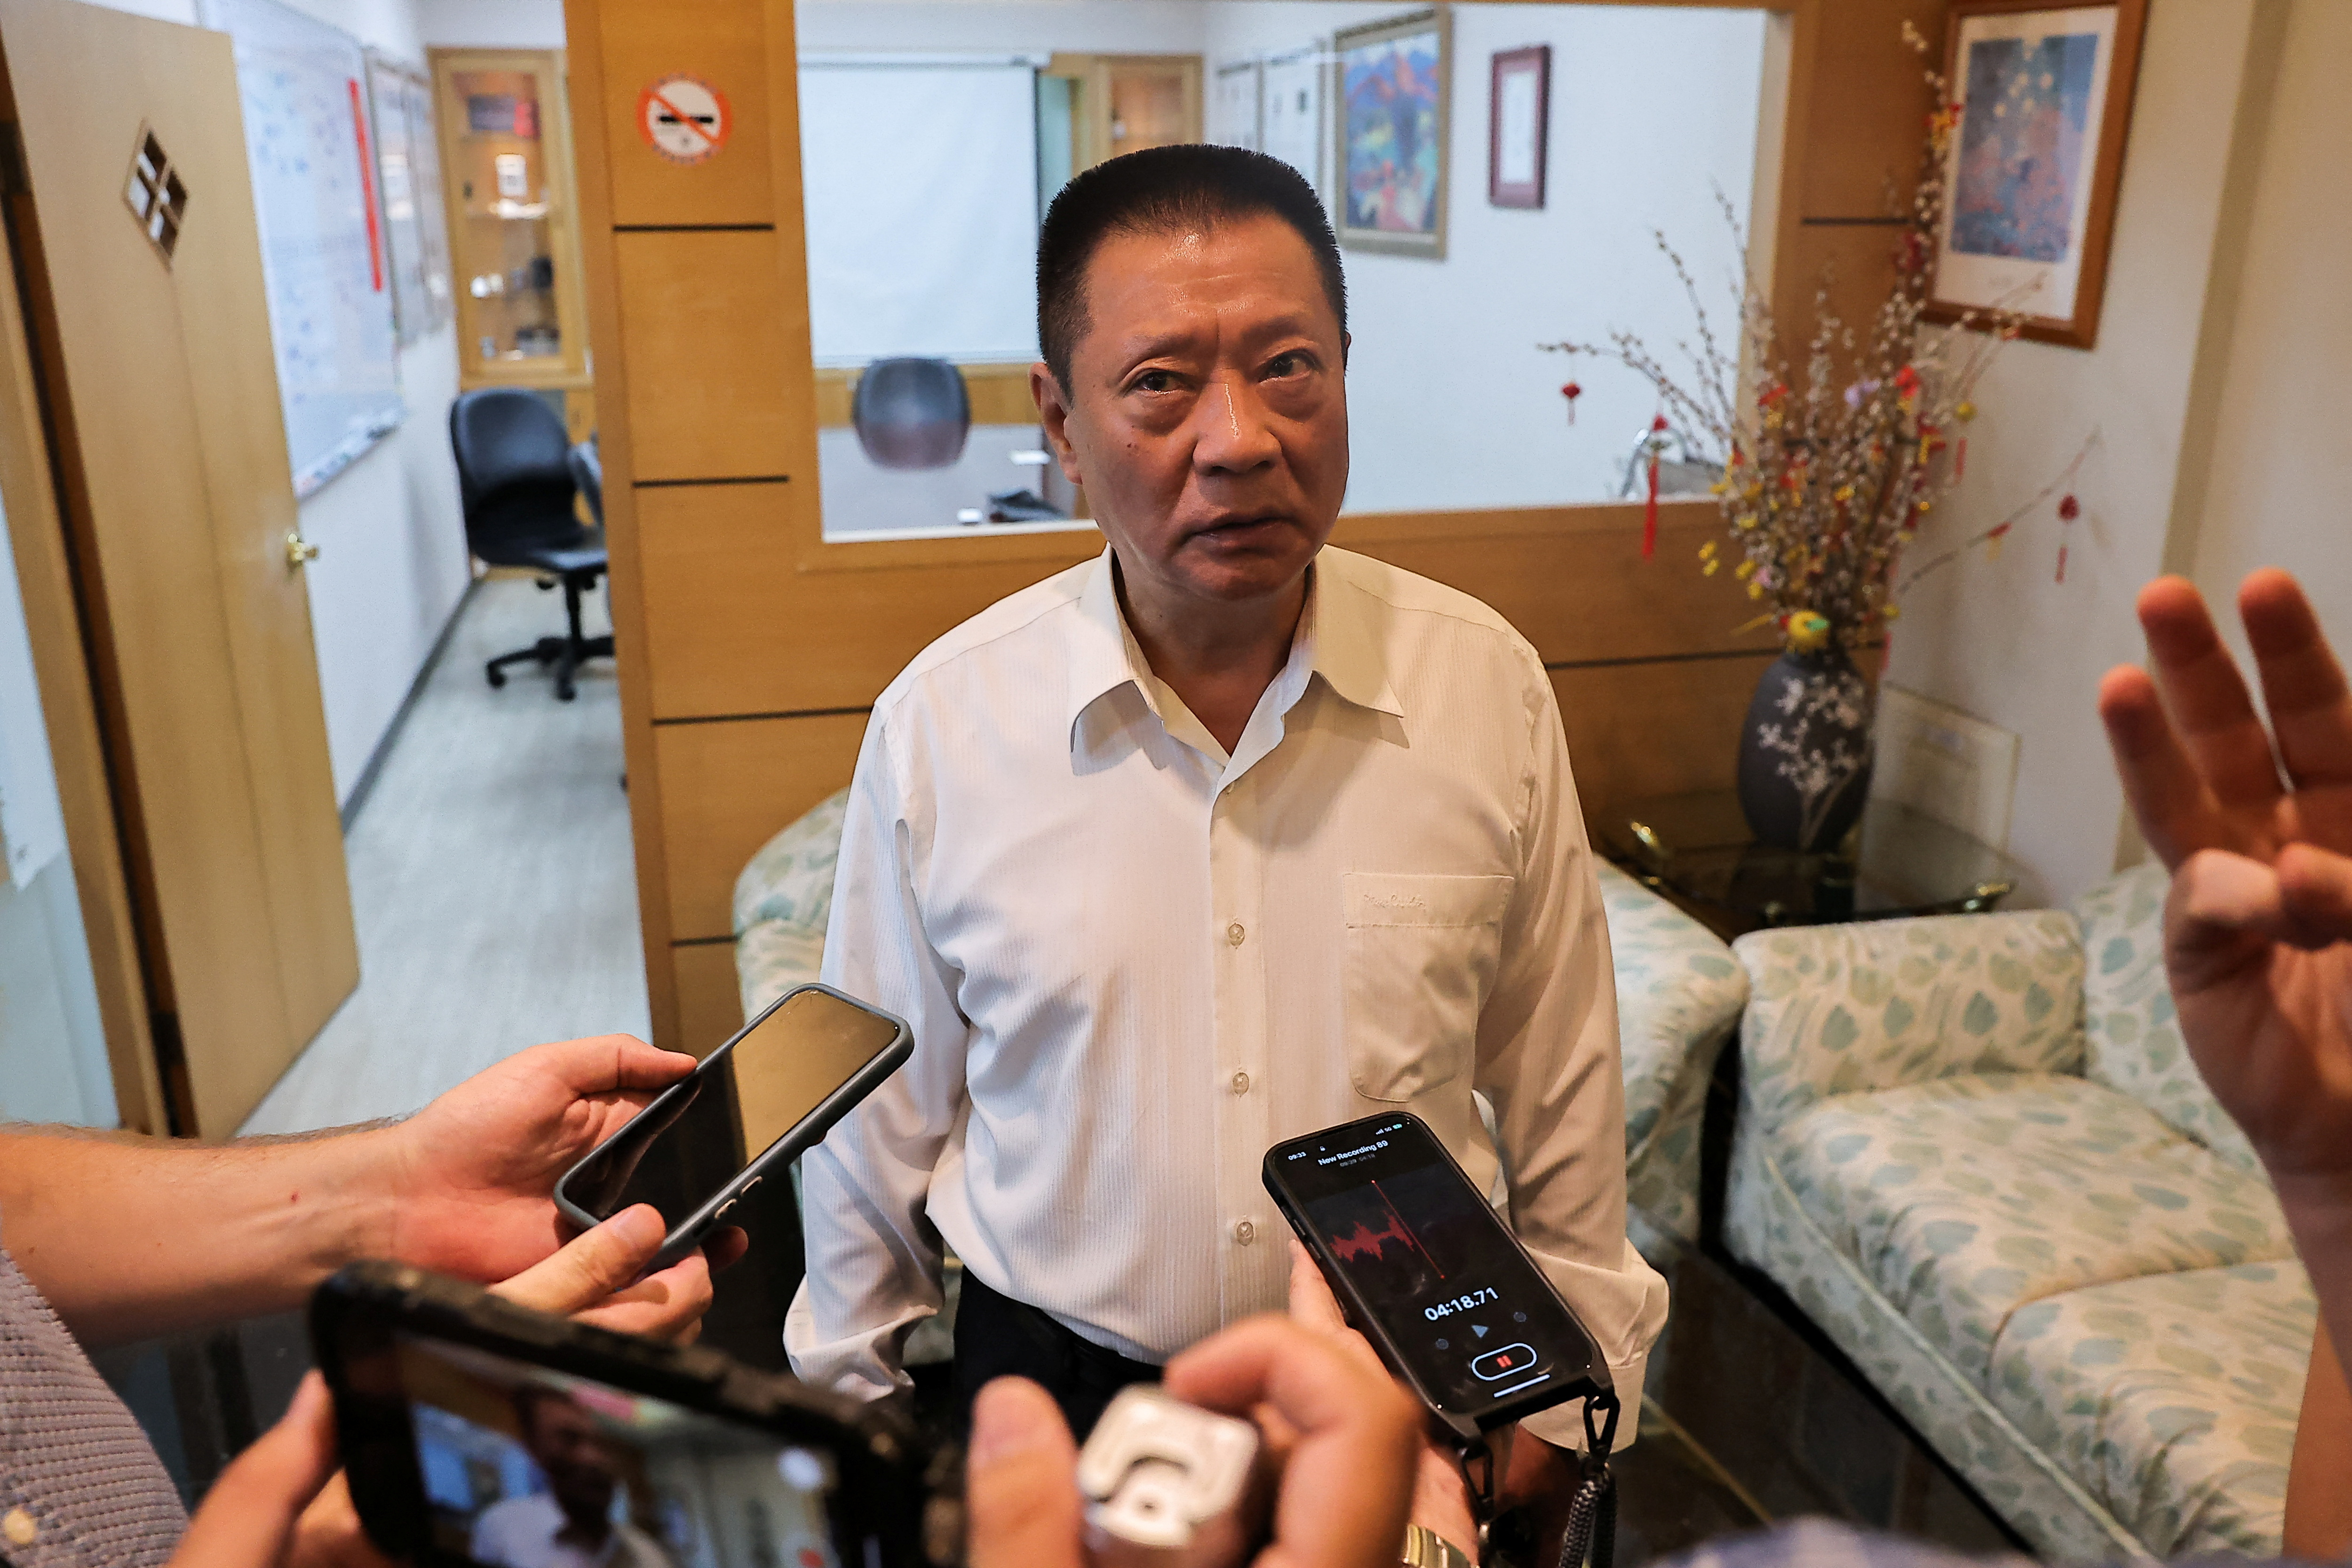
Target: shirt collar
{"x": 1336, "y": 633}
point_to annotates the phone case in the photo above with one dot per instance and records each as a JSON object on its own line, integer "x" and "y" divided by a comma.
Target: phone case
{"x": 805, "y": 1134}
{"x": 360, "y": 1315}
{"x": 1361, "y": 1318}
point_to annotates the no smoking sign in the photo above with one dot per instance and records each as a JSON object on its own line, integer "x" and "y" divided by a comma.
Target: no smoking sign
{"x": 684, "y": 119}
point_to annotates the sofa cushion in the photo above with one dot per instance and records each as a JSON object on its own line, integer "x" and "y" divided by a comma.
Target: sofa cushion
{"x": 1840, "y": 1009}
{"x": 791, "y": 879}
{"x": 2172, "y": 1398}
{"x": 2131, "y": 1040}
{"x": 1965, "y": 1199}
{"x": 1679, "y": 993}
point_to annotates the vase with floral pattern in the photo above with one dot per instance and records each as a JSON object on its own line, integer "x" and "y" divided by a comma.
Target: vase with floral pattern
{"x": 1805, "y": 750}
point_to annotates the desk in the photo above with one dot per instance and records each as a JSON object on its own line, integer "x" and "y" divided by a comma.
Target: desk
{"x": 864, "y": 501}
{"x": 1697, "y": 850}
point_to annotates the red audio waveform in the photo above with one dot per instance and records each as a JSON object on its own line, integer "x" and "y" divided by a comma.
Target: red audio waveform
{"x": 1364, "y": 1239}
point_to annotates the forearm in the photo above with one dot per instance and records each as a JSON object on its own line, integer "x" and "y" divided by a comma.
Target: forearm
{"x": 2318, "y": 1504}
{"x": 131, "y": 1237}
{"x": 2318, "y": 1212}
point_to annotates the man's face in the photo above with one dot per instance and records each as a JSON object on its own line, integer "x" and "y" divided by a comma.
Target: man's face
{"x": 1206, "y": 415}
{"x": 579, "y": 1467}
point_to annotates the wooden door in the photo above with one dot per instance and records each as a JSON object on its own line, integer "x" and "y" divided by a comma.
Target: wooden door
{"x": 160, "y": 394}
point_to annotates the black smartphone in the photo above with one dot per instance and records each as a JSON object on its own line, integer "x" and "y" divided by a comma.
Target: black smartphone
{"x": 1427, "y": 1272}
{"x": 747, "y": 1112}
{"x": 475, "y": 1431}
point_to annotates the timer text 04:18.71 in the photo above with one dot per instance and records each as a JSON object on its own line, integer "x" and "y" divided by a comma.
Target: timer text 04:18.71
{"x": 1461, "y": 1304}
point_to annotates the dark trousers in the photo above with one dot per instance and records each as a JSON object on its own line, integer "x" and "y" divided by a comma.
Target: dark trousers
{"x": 996, "y": 1336}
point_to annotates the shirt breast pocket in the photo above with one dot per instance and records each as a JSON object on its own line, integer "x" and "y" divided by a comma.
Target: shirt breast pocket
{"x": 1419, "y": 964}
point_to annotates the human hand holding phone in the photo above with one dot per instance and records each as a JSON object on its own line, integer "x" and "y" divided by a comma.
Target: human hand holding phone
{"x": 1441, "y": 1494}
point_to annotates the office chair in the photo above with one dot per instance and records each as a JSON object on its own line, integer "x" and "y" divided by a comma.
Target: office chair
{"x": 515, "y": 480}
{"x": 587, "y": 465}
{"x": 912, "y": 413}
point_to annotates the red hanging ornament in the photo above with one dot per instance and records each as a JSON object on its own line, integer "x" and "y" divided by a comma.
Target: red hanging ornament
{"x": 1650, "y": 510}
{"x": 2069, "y": 509}
{"x": 1571, "y": 392}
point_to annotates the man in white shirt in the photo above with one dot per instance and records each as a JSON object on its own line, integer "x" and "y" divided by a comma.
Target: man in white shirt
{"x": 1210, "y": 843}
{"x": 570, "y": 1524}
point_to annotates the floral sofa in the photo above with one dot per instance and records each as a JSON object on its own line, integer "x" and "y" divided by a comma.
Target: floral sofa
{"x": 1975, "y": 1152}
{"x": 1679, "y": 993}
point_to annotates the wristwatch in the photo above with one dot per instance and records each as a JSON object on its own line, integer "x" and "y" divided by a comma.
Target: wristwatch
{"x": 1425, "y": 1548}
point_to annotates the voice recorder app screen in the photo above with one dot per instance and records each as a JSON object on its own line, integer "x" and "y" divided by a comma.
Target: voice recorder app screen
{"x": 1433, "y": 1261}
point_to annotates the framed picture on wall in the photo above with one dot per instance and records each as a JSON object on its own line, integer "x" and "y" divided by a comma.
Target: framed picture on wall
{"x": 1237, "y": 105}
{"x": 2043, "y": 96}
{"x": 1390, "y": 133}
{"x": 1292, "y": 118}
{"x": 1518, "y": 120}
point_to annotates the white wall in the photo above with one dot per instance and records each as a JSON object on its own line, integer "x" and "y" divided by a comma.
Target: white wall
{"x": 1450, "y": 403}
{"x": 1079, "y": 27}
{"x": 392, "y": 545}
{"x": 2280, "y": 488}
{"x": 2002, "y": 640}
{"x": 490, "y": 23}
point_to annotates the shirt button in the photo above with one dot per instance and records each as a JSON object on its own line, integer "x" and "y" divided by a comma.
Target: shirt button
{"x": 1241, "y": 1083}
{"x": 1235, "y": 934}
{"x": 1244, "y": 1232}
{"x": 20, "y": 1527}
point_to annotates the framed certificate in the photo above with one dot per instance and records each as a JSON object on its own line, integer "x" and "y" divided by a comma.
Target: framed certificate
{"x": 1518, "y": 118}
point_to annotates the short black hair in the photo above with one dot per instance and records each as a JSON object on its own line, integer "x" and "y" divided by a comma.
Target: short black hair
{"x": 1163, "y": 190}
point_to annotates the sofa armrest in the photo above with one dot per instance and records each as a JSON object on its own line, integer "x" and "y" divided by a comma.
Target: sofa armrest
{"x": 1841, "y": 1009}
{"x": 1679, "y": 995}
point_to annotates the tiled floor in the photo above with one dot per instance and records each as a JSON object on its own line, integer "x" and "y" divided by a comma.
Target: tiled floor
{"x": 492, "y": 881}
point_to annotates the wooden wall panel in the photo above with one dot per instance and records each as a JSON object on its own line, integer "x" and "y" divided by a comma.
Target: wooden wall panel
{"x": 710, "y": 1003}
{"x": 1862, "y": 148}
{"x": 1574, "y": 583}
{"x": 731, "y": 627}
{"x": 710, "y": 389}
{"x": 1655, "y": 727}
{"x": 723, "y": 43}
{"x": 726, "y": 788}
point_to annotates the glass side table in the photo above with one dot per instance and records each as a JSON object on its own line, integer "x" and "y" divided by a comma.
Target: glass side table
{"x": 1696, "y": 848}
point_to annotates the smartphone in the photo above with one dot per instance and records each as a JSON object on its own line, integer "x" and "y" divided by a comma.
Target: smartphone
{"x": 1427, "y": 1272}
{"x": 475, "y": 1431}
{"x": 750, "y": 1108}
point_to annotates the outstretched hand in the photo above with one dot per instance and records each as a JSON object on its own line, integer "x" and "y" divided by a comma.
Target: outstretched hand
{"x": 474, "y": 1173}
{"x": 2258, "y": 927}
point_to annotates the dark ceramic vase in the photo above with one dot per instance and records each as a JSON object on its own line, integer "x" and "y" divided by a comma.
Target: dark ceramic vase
{"x": 1804, "y": 753}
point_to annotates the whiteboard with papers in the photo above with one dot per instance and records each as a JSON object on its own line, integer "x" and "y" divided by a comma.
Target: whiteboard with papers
{"x": 303, "y": 87}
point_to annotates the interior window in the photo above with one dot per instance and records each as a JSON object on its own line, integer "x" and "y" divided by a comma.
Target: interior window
{"x": 1478, "y": 222}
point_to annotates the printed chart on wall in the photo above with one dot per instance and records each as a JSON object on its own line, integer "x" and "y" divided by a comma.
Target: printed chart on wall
{"x": 408, "y": 187}
{"x": 303, "y": 86}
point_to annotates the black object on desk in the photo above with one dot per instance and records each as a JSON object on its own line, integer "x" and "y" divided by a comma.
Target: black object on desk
{"x": 515, "y": 480}
{"x": 1899, "y": 861}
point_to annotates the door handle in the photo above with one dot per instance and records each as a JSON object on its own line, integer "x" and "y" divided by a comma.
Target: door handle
{"x": 299, "y": 552}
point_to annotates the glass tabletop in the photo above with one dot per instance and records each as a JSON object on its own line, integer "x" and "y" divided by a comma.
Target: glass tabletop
{"x": 1899, "y": 861}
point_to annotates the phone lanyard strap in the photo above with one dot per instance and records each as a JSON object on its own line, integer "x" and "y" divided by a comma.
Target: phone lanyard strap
{"x": 1593, "y": 1512}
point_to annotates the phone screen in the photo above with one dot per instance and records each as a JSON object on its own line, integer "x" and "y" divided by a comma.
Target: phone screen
{"x": 748, "y": 1094}
{"x": 524, "y": 1466}
{"x": 1456, "y": 1295}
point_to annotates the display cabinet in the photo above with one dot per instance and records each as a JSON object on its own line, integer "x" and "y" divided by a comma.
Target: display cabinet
{"x": 505, "y": 156}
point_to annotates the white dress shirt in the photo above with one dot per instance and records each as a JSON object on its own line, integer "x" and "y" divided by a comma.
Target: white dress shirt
{"x": 1132, "y": 963}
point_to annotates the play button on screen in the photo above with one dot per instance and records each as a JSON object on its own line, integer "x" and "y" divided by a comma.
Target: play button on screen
{"x": 1503, "y": 1363}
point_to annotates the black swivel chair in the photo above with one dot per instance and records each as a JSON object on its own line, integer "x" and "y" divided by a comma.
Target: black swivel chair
{"x": 912, "y": 413}
{"x": 515, "y": 479}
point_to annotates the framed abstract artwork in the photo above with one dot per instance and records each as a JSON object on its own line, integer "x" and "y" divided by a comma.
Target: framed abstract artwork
{"x": 1390, "y": 133}
{"x": 1518, "y": 115}
{"x": 2043, "y": 96}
